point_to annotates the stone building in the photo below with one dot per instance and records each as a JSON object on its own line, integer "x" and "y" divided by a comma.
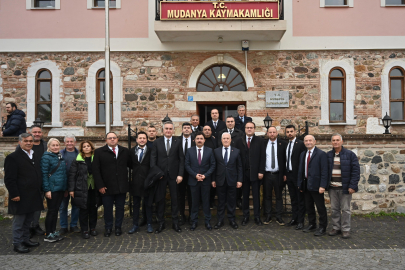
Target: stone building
{"x": 341, "y": 75}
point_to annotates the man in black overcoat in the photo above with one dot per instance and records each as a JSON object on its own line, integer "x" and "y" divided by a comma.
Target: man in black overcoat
{"x": 228, "y": 178}
{"x": 242, "y": 119}
{"x": 230, "y": 128}
{"x": 140, "y": 164}
{"x": 110, "y": 173}
{"x": 215, "y": 123}
{"x": 253, "y": 159}
{"x": 23, "y": 179}
{"x": 210, "y": 142}
{"x": 168, "y": 155}
{"x": 294, "y": 149}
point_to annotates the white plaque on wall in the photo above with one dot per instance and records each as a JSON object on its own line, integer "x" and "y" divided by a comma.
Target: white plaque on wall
{"x": 277, "y": 99}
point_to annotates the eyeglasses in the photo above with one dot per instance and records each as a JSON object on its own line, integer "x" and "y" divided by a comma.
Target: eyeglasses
{"x": 112, "y": 138}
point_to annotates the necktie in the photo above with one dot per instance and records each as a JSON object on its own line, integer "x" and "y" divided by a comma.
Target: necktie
{"x": 249, "y": 143}
{"x": 273, "y": 156}
{"x": 168, "y": 147}
{"x": 115, "y": 153}
{"x": 308, "y": 159}
{"x": 230, "y": 131}
{"x": 226, "y": 156}
{"x": 141, "y": 155}
{"x": 289, "y": 156}
{"x": 215, "y": 125}
{"x": 242, "y": 119}
{"x": 199, "y": 157}
{"x": 185, "y": 147}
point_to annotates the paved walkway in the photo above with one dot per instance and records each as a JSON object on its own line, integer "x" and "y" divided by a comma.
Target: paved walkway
{"x": 376, "y": 243}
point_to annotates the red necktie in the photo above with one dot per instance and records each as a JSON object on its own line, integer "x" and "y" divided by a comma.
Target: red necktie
{"x": 249, "y": 143}
{"x": 114, "y": 151}
{"x": 308, "y": 159}
{"x": 199, "y": 157}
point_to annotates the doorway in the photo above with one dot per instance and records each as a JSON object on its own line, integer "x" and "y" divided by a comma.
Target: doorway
{"x": 224, "y": 109}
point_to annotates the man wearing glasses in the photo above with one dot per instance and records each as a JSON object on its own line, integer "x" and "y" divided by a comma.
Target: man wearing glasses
{"x": 110, "y": 173}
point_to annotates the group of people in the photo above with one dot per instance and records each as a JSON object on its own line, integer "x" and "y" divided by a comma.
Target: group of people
{"x": 222, "y": 158}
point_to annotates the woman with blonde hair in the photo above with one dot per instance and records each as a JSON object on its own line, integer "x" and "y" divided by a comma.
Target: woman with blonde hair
{"x": 83, "y": 190}
{"x": 54, "y": 185}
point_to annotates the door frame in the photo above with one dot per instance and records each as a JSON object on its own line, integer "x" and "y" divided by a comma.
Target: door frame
{"x": 222, "y": 103}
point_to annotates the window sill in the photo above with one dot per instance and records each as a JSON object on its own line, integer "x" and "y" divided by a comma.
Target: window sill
{"x": 395, "y": 5}
{"x": 103, "y": 8}
{"x": 114, "y": 124}
{"x": 327, "y": 123}
{"x": 42, "y": 8}
{"x": 340, "y": 6}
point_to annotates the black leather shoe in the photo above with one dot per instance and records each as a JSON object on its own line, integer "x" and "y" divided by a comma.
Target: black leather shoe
{"x": 142, "y": 222}
{"x": 86, "y": 235}
{"x": 160, "y": 228}
{"x": 118, "y": 231}
{"x": 193, "y": 227}
{"x": 239, "y": 204}
{"x": 291, "y": 223}
{"x": 107, "y": 233}
{"x": 258, "y": 222}
{"x": 37, "y": 230}
{"x": 310, "y": 228}
{"x": 176, "y": 227}
{"x": 320, "y": 232}
{"x": 208, "y": 226}
{"x": 219, "y": 225}
{"x": 93, "y": 232}
{"x": 233, "y": 224}
{"x": 29, "y": 243}
{"x": 133, "y": 229}
{"x": 280, "y": 221}
{"x": 299, "y": 226}
{"x": 182, "y": 220}
{"x": 245, "y": 221}
{"x": 267, "y": 220}
{"x": 20, "y": 248}
{"x": 75, "y": 229}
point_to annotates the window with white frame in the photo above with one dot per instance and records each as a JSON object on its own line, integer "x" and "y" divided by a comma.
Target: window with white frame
{"x": 336, "y": 3}
{"x": 101, "y": 4}
{"x": 394, "y": 2}
{"x": 338, "y": 89}
{"x": 42, "y": 4}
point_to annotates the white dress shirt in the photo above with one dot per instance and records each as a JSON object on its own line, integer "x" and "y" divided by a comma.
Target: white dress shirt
{"x": 116, "y": 150}
{"x": 289, "y": 166}
{"x": 215, "y": 124}
{"x": 247, "y": 139}
{"x": 306, "y": 158}
{"x": 138, "y": 152}
{"x": 184, "y": 142}
{"x": 230, "y": 130}
{"x": 195, "y": 128}
{"x": 268, "y": 157}
{"x": 223, "y": 152}
{"x": 29, "y": 153}
{"x": 202, "y": 152}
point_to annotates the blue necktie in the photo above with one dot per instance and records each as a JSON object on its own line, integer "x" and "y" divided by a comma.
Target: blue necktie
{"x": 226, "y": 156}
{"x": 141, "y": 155}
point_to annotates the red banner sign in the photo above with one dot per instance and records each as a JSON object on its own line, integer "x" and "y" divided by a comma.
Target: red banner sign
{"x": 229, "y": 10}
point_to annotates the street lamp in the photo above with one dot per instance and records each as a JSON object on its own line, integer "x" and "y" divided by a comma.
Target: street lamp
{"x": 39, "y": 122}
{"x": 387, "y": 123}
{"x": 267, "y": 121}
{"x": 166, "y": 119}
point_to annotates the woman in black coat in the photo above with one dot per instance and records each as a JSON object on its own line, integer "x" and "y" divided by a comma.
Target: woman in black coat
{"x": 82, "y": 189}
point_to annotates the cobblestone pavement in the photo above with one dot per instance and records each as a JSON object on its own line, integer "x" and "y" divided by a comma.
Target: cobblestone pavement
{"x": 376, "y": 243}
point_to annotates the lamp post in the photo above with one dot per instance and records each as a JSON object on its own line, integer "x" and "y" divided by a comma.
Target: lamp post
{"x": 107, "y": 68}
{"x": 166, "y": 119}
{"x": 267, "y": 121}
{"x": 387, "y": 123}
{"x": 39, "y": 122}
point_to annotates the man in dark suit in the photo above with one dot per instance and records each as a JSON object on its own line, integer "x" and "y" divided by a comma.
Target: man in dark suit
{"x": 110, "y": 174}
{"x": 151, "y": 136}
{"x": 200, "y": 164}
{"x": 195, "y": 124}
{"x": 294, "y": 149}
{"x": 187, "y": 141}
{"x": 242, "y": 119}
{"x": 140, "y": 164}
{"x": 23, "y": 179}
{"x": 230, "y": 128}
{"x": 228, "y": 177}
{"x": 215, "y": 123}
{"x": 273, "y": 178}
{"x": 253, "y": 157}
{"x": 313, "y": 179}
{"x": 211, "y": 143}
{"x": 168, "y": 155}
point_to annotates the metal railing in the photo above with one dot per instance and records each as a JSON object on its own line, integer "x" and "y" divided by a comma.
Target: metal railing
{"x": 157, "y": 6}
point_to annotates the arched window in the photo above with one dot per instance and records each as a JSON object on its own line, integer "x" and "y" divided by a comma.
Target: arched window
{"x": 397, "y": 99}
{"x": 337, "y": 95}
{"x": 43, "y": 99}
{"x": 221, "y": 78}
{"x": 100, "y": 98}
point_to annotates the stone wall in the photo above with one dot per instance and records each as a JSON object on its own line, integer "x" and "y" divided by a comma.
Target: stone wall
{"x": 382, "y": 164}
{"x": 157, "y": 83}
